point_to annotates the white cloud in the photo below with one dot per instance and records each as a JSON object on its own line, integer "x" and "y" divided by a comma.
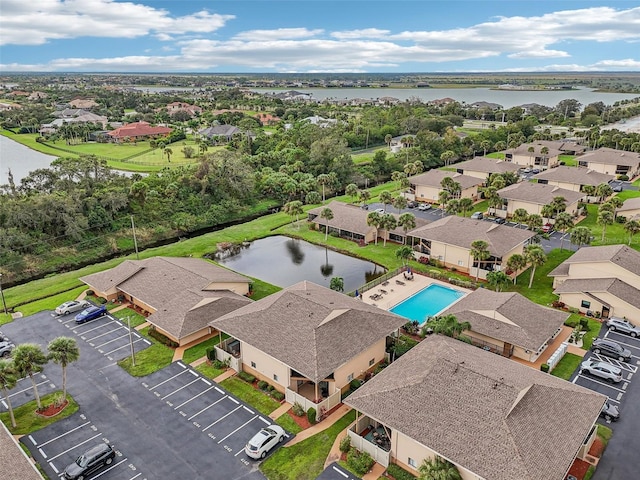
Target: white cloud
{"x": 540, "y": 54}
{"x": 37, "y": 22}
{"x": 277, "y": 34}
{"x": 364, "y": 33}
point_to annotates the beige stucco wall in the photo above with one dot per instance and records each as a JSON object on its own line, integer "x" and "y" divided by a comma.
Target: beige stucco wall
{"x": 530, "y": 160}
{"x": 567, "y": 186}
{"x": 609, "y": 169}
{"x": 359, "y": 364}
{"x": 618, "y": 308}
{"x": 266, "y": 366}
{"x": 194, "y": 336}
{"x": 484, "y": 176}
{"x": 452, "y": 256}
{"x": 602, "y": 270}
{"x": 629, "y": 213}
{"x": 427, "y": 194}
{"x": 241, "y": 288}
{"x": 534, "y": 208}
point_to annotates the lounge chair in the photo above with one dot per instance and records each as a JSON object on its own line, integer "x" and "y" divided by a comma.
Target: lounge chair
{"x": 399, "y": 282}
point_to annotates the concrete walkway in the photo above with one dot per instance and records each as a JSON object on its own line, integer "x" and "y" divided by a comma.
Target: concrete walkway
{"x": 375, "y": 473}
{"x": 321, "y": 426}
{"x": 229, "y": 373}
{"x": 199, "y": 361}
{"x": 335, "y": 453}
{"x": 120, "y": 307}
{"x": 281, "y": 410}
{"x": 142, "y": 325}
{"x": 179, "y": 353}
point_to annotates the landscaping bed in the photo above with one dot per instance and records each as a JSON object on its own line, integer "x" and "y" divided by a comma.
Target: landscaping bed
{"x": 28, "y": 419}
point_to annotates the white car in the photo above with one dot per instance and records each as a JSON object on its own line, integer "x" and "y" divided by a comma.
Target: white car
{"x": 623, "y": 325}
{"x": 263, "y": 441}
{"x": 603, "y": 370}
{"x": 380, "y": 211}
{"x": 424, "y": 206}
{"x": 72, "y": 306}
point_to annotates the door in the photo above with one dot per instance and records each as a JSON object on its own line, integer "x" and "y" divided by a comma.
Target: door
{"x": 605, "y": 312}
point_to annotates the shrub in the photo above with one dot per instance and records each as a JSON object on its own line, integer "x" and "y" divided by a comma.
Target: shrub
{"x": 211, "y": 353}
{"x": 571, "y": 322}
{"x": 345, "y": 444}
{"x": 584, "y": 324}
{"x": 297, "y": 409}
{"x": 544, "y": 367}
{"x": 262, "y": 385}
{"x": 623, "y": 178}
{"x": 359, "y": 462}
{"x": 355, "y": 384}
{"x": 279, "y": 396}
{"x": 220, "y": 365}
{"x": 399, "y": 473}
{"x": 573, "y": 310}
{"x": 557, "y": 304}
{"x": 247, "y": 377}
{"x": 91, "y": 293}
{"x": 424, "y": 260}
{"x": 311, "y": 415}
{"x": 153, "y": 333}
{"x": 271, "y": 388}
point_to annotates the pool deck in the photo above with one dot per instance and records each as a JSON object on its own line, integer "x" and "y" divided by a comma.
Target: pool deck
{"x": 397, "y": 293}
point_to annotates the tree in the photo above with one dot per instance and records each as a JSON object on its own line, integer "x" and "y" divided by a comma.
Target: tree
{"x": 516, "y": 263}
{"x": 312, "y": 198}
{"x": 535, "y": 256}
{"x": 465, "y": 205}
{"x": 564, "y": 221}
{"x": 479, "y": 252}
{"x": 498, "y": 280}
{"x": 449, "y": 326}
{"x": 327, "y": 214}
{"x": 447, "y": 156}
{"x": 63, "y": 351}
{"x": 603, "y": 191}
{"x": 559, "y": 205}
{"x": 399, "y": 202}
{"x": 386, "y": 199}
{"x": 404, "y": 253}
{"x": 374, "y": 219}
{"x": 168, "y": 152}
{"x": 632, "y": 227}
{"x": 438, "y": 469}
{"x": 387, "y": 140}
{"x": 8, "y": 380}
{"x": 485, "y": 145}
{"x": 408, "y": 222}
{"x": 323, "y": 179}
{"x": 29, "y": 360}
{"x": 337, "y": 284}
{"x": 388, "y": 223}
{"x": 450, "y": 185}
{"x": 605, "y": 217}
{"x": 580, "y": 236}
{"x": 352, "y": 191}
{"x": 364, "y": 196}
{"x": 520, "y": 215}
{"x": 294, "y": 209}
{"x": 453, "y": 206}
{"x": 534, "y": 221}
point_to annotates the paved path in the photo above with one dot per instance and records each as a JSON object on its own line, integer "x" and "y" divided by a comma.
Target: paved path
{"x": 321, "y": 426}
{"x": 281, "y": 410}
{"x": 179, "y": 353}
{"x": 199, "y": 361}
{"x": 229, "y": 373}
{"x": 375, "y": 473}
{"x": 334, "y": 453}
{"x": 143, "y": 325}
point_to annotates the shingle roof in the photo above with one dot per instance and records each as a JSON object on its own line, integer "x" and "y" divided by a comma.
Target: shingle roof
{"x": 537, "y": 147}
{"x": 611, "y": 156}
{"x": 621, "y": 255}
{"x": 575, "y": 175}
{"x": 508, "y": 316}
{"x": 593, "y": 286}
{"x": 15, "y": 463}
{"x": 433, "y": 178}
{"x": 488, "y": 165}
{"x": 490, "y": 415}
{"x": 310, "y": 328}
{"x": 220, "y": 130}
{"x": 538, "y": 193}
{"x": 463, "y": 232}
{"x": 629, "y": 204}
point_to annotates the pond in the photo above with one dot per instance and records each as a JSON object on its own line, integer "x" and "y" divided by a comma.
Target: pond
{"x": 284, "y": 261}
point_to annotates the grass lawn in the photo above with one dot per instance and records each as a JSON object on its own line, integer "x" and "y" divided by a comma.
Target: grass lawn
{"x": 288, "y": 423}
{"x": 541, "y": 291}
{"x": 149, "y": 360}
{"x": 254, "y": 397}
{"x": 605, "y": 434}
{"x": 592, "y": 333}
{"x": 569, "y": 160}
{"x": 136, "y": 318}
{"x": 614, "y": 234}
{"x": 305, "y": 460}
{"x": 26, "y": 419}
{"x": 200, "y": 350}
{"x": 48, "y": 303}
{"x": 209, "y": 371}
{"x": 565, "y": 367}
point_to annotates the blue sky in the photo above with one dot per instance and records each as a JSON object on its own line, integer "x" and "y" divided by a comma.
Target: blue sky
{"x": 319, "y": 36}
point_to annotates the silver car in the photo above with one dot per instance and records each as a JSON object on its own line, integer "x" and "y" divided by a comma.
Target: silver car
{"x": 623, "y": 325}
{"x": 264, "y": 440}
{"x": 602, "y": 369}
{"x": 5, "y": 347}
{"x": 72, "y": 306}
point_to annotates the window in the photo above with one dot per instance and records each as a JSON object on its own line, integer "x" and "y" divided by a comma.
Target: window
{"x": 275, "y": 377}
{"x": 460, "y": 263}
{"x": 412, "y": 463}
{"x": 585, "y": 304}
{"x": 253, "y": 364}
{"x": 350, "y": 377}
{"x": 372, "y": 361}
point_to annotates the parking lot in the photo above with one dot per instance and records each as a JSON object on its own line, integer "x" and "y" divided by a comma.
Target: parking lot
{"x": 107, "y": 334}
{"x": 59, "y": 444}
{"x": 336, "y": 472}
{"x": 222, "y": 419}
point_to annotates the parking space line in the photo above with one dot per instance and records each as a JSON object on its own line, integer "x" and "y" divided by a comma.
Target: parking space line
{"x": 221, "y": 418}
{"x": 176, "y": 391}
{"x": 42, "y": 453}
{"x": 617, "y": 363}
{"x": 265, "y": 421}
{"x": 205, "y": 381}
{"x": 207, "y": 407}
{"x": 220, "y": 391}
{"x": 73, "y": 319}
{"x": 248, "y": 409}
{"x": 609, "y": 332}
{"x": 340, "y": 472}
{"x": 167, "y": 380}
{"x": 124, "y": 346}
{"x": 84, "y": 332}
{"x": 66, "y": 433}
{"x": 111, "y": 341}
{"x": 75, "y": 446}
{"x": 193, "y": 398}
{"x": 103, "y": 334}
{"x": 234, "y": 400}
{"x": 239, "y": 428}
{"x": 111, "y": 468}
{"x": 135, "y": 476}
{"x": 28, "y": 388}
{"x": 598, "y": 381}
{"x": 54, "y": 468}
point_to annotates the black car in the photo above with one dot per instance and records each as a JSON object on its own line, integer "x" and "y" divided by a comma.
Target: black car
{"x": 500, "y": 220}
{"x": 90, "y": 461}
{"x": 412, "y": 204}
{"x": 611, "y": 349}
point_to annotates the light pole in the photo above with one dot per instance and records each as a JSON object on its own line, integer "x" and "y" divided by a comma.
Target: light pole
{"x": 4, "y": 304}
{"x": 133, "y": 353}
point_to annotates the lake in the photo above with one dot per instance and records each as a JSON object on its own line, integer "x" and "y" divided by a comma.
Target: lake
{"x": 20, "y": 159}
{"x": 285, "y": 261}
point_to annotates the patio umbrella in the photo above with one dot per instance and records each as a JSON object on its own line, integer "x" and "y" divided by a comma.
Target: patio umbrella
{"x": 409, "y": 270}
{"x": 357, "y": 294}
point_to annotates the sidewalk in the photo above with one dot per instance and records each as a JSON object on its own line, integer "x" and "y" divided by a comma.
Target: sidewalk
{"x": 281, "y": 410}
{"x": 178, "y": 354}
{"x": 320, "y": 427}
{"x": 229, "y": 373}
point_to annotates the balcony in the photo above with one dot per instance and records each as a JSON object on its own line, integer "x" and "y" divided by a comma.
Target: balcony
{"x": 369, "y": 436}
{"x": 229, "y": 350}
{"x": 306, "y": 393}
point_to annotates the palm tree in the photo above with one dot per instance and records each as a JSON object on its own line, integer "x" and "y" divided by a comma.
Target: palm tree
{"x": 374, "y": 219}
{"x": 547, "y": 211}
{"x": 29, "y": 359}
{"x": 535, "y": 256}
{"x": 603, "y": 190}
{"x": 408, "y": 222}
{"x": 447, "y": 156}
{"x": 8, "y": 380}
{"x": 516, "y": 262}
{"x": 327, "y": 214}
{"x": 531, "y": 151}
{"x": 580, "y": 236}
{"x": 337, "y": 284}
{"x": 387, "y": 140}
{"x": 453, "y": 206}
{"x": 450, "y": 185}
{"x": 559, "y": 204}
{"x": 564, "y": 221}
{"x": 443, "y": 197}
{"x": 465, "y": 205}
{"x": 520, "y": 215}
{"x": 534, "y": 221}
{"x": 323, "y": 179}
{"x": 498, "y": 280}
{"x": 352, "y": 191}
{"x": 364, "y": 196}
{"x": 63, "y": 351}
{"x": 405, "y": 254}
{"x": 388, "y": 223}
{"x": 605, "y": 217}
{"x": 632, "y": 227}
{"x": 479, "y": 251}
{"x": 385, "y": 198}
{"x": 449, "y": 326}
{"x": 168, "y": 152}
{"x": 399, "y": 203}
{"x": 294, "y": 209}
{"x": 485, "y": 145}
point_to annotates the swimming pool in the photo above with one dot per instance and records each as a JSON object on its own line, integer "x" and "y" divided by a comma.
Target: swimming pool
{"x": 427, "y": 302}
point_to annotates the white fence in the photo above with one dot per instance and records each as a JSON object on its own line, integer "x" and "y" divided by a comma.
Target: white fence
{"x": 234, "y": 362}
{"x": 363, "y": 445}
{"x": 324, "y": 406}
{"x": 557, "y": 355}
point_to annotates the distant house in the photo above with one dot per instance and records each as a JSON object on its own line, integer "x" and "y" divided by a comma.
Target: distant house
{"x": 449, "y": 240}
{"x": 572, "y": 178}
{"x": 604, "y": 280}
{"x": 486, "y": 105}
{"x": 5, "y": 107}
{"x": 138, "y": 131}
{"x": 427, "y": 186}
{"x": 567, "y": 147}
{"x": 630, "y": 208}
{"x": 612, "y": 162}
{"x": 491, "y": 417}
{"x": 221, "y": 133}
{"x": 350, "y": 221}
{"x": 267, "y": 118}
{"x": 507, "y": 323}
{"x": 540, "y": 156}
{"x": 308, "y": 341}
{"x": 401, "y": 141}
{"x": 191, "y": 110}
{"x": 320, "y": 121}
{"x": 179, "y": 295}
{"x": 83, "y": 103}
{"x": 534, "y": 196}
{"x": 484, "y": 167}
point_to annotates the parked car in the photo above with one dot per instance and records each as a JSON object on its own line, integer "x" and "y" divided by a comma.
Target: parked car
{"x": 263, "y": 441}
{"x": 623, "y": 325}
{"x": 526, "y": 170}
{"x": 5, "y": 347}
{"x": 535, "y": 170}
{"x": 610, "y": 412}
{"x": 477, "y": 216}
{"x": 603, "y": 370}
{"x": 380, "y": 211}
{"x": 412, "y": 204}
{"x": 90, "y": 461}
{"x": 611, "y": 349}
{"x": 547, "y": 228}
{"x": 500, "y": 220}
{"x": 72, "y": 306}
{"x": 91, "y": 313}
{"x": 424, "y": 206}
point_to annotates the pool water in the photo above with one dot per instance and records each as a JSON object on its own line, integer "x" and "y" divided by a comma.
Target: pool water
{"x": 427, "y": 302}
